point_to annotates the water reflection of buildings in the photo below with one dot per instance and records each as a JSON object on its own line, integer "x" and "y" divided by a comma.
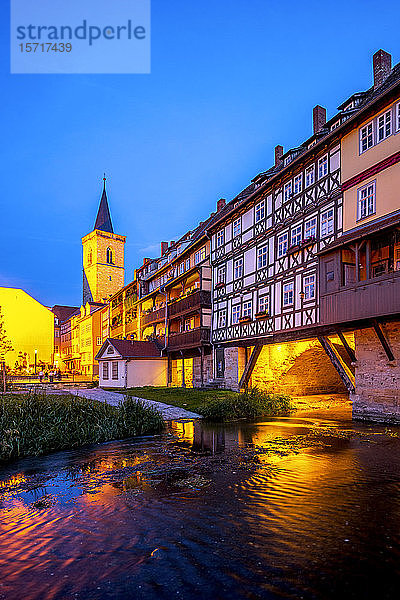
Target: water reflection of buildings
{"x": 207, "y": 438}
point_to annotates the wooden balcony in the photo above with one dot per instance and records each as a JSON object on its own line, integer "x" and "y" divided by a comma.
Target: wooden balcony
{"x": 375, "y": 297}
{"x": 156, "y": 316}
{"x": 189, "y": 339}
{"x": 197, "y": 300}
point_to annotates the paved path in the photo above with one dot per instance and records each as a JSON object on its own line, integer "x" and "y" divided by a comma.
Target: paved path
{"x": 169, "y": 413}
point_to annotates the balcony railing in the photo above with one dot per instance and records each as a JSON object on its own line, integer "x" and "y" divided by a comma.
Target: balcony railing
{"x": 153, "y": 317}
{"x": 189, "y": 339}
{"x": 199, "y": 299}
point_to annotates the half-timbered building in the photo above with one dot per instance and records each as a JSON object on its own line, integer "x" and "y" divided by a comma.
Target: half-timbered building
{"x": 265, "y": 247}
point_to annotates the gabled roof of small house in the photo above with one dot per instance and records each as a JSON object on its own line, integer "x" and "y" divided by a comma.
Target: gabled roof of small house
{"x": 130, "y": 349}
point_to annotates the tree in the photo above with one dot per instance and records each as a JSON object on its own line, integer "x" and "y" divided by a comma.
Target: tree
{"x": 5, "y": 343}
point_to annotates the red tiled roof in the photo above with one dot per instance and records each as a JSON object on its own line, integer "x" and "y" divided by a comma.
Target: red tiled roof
{"x": 132, "y": 349}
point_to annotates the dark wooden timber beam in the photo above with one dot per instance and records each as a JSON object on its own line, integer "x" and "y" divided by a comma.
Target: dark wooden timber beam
{"x": 383, "y": 340}
{"x": 336, "y": 362}
{"x": 347, "y": 347}
{"x": 251, "y": 363}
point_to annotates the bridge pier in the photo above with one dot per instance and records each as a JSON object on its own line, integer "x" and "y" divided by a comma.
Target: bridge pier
{"x": 377, "y": 378}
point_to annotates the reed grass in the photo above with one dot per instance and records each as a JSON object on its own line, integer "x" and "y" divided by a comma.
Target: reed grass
{"x": 36, "y": 423}
{"x": 250, "y": 404}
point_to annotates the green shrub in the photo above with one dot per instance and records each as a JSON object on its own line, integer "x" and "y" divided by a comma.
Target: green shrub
{"x": 250, "y": 404}
{"x": 35, "y": 424}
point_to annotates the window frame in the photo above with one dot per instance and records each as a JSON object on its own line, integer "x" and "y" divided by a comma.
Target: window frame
{"x": 288, "y": 294}
{"x": 247, "y": 308}
{"x": 370, "y": 184}
{"x": 200, "y": 255}
{"x": 237, "y": 224}
{"x": 298, "y": 235}
{"x": 259, "y": 211}
{"x": 221, "y": 318}
{"x": 298, "y": 183}
{"x": 263, "y": 300}
{"x": 361, "y": 138}
{"x": 323, "y": 161}
{"x": 309, "y": 170}
{"x": 106, "y": 370}
{"x": 236, "y": 313}
{"x": 311, "y": 284}
{"x": 235, "y": 264}
{"x": 325, "y": 212}
{"x": 220, "y": 238}
{"x": 310, "y": 235}
{"x": 278, "y": 245}
{"x": 288, "y": 191}
{"x": 221, "y": 274}
{"x": 384, "y": 116}
{"x": 397, "y": 116}
{"x": 114, "y": 370}
{"x": 262, "y": 253}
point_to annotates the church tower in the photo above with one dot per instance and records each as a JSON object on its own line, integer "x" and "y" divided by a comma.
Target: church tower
{"x": 103, "y": 257}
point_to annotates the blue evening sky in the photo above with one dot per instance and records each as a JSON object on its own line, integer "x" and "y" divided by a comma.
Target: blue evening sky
{"x": 230, "y": 79}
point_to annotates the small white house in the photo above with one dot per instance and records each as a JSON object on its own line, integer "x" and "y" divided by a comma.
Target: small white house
{"x": 129, "y": 363}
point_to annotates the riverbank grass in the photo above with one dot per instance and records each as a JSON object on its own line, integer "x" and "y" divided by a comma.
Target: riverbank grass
{"x": 220, "y": 405}
{"x": 35, "y": 424}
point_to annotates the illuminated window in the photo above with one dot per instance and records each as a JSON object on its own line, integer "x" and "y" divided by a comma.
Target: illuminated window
{"x": 288, "y": 294}
{"x": 366, "y": 137}
{"x": 309, "y": 287}
{"x": 282, "y": 245}
{"x": 98, "y": 341}
{"x": 237, "y": 227}
{"x": 235, "y": 314}
{"x": 238, "y": 268}
{"x": 247, "y": 308}
{"x": 310, "y": 175}
{"x": 384, "y": 125}
{"x": 200, "y": 255}
{"x": 260, "y": 211}
{"x": 109, "y": 257}
{"x": 105, "y": 370}
{"x": 310, "y": 228}
{"x": 366, "y": 200}
{"x": 262, "y": 257}
{"x": 327, "y": 222}
{"x": 322, "y": 167}
{"x": 220, "y": 238}
{"x": 263, "y": 304}
{"x": 114, "y": 369}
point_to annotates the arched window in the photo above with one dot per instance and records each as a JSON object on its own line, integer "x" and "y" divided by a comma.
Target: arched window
{"x": 109, "y": 256}
{"x": 89, "y": 258}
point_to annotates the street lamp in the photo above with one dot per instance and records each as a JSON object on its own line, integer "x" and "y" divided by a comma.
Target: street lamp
{"x": 35, "y": 360}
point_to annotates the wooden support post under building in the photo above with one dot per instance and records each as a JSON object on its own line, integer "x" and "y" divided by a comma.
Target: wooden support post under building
{"x": 336, "y": 361}
{"x": 250, "y": 364}
{"x": 183, "y": 371}
{"x": 383, "y": 340}
{"x": 346, "y": 346}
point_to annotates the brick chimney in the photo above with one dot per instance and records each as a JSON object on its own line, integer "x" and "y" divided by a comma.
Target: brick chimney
{"x": 164, "y": 248}
{"x": 382, "y": 65}
{"x": 220, "y": 204}
{"x": 278, "y": 155}
{"x": 172, "y": 243}
{"x": 146, "y": 260}
{"x": 319, "y": 118}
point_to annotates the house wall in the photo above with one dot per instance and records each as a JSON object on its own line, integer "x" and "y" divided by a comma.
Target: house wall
{"x": 354, "y": 163}
{"x": 377, "y": 395}
{"x": 28, "y": 325}
{"x": 147, "y": 372}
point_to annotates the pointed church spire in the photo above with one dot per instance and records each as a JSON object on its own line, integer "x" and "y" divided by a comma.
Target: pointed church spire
{"x": 103, "y": 219}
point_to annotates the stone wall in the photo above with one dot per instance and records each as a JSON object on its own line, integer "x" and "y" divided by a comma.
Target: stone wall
{"x": 207, "y": 370}
{"x": 377, "y": 394}
{"x": 300, "y": 368}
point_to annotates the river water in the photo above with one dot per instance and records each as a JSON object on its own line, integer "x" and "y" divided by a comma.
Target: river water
{"x": 306, "y": 506}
